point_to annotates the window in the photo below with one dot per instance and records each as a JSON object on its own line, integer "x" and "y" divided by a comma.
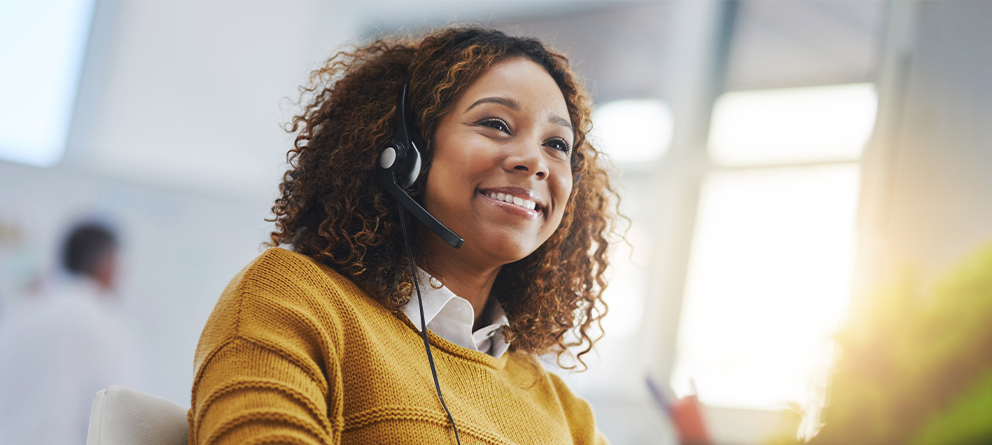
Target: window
{"x": 42, "y": 44}
{"x": 772, "y": 255}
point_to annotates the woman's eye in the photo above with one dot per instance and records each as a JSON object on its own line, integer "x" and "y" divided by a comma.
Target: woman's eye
{"x": 558, "y": 144}
{"x": 496, "y": 124}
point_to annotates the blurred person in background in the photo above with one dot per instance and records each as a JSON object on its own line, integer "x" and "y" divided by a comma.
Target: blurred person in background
{"x": 60, "y": 349}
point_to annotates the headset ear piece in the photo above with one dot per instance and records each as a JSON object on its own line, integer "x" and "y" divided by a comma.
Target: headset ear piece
{"x": 411, "y": 176}
{"x": 387, "y": 158}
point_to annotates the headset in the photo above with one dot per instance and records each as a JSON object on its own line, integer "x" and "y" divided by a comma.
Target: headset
{"x": 398, "y": 167}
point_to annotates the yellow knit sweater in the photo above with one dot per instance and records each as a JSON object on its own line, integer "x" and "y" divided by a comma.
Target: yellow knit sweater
{"x": 295, "y": 353}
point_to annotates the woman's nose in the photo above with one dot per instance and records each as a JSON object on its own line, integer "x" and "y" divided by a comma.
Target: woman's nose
{"x": 527, "y": 158}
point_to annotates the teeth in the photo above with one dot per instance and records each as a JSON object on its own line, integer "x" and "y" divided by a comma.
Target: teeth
{"x": 515, "y": 200}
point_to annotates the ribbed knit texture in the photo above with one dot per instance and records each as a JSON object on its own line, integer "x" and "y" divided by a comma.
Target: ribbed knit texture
{"x": 295, "y": 353}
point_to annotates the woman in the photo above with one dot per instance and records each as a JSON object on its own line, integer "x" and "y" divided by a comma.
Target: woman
{"x": 322, "y": 344}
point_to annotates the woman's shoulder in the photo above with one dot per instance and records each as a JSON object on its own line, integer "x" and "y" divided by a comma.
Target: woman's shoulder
{"x": 290, "y": 277}
{"x": 280, "y": 289}
{"x": 278, "y": 266}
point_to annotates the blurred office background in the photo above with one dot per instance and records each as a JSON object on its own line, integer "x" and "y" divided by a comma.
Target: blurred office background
{"x": 780, "y": 160}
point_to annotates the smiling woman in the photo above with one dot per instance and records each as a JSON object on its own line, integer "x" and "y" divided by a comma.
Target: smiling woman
{"x": 322, "y": 344}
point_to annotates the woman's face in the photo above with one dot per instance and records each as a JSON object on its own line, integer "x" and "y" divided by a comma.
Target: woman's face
{"x": 501, "y": 174}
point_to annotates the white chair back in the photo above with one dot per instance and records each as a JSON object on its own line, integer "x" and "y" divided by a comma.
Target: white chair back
{"x": 125, "y": 416}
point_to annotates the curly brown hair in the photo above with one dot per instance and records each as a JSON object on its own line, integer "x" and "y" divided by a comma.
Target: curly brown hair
{"x": 334, "y": 211}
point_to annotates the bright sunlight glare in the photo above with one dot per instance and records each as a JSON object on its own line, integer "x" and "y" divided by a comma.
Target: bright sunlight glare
{"x": 826, "y": 123}
{"x": 769, "y": 278}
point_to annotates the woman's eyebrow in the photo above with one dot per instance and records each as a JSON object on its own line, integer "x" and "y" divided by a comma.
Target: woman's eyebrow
{"x": 514, "y": 105}
{"x": 558, "y": 120}
{"x": 505, "y": 101}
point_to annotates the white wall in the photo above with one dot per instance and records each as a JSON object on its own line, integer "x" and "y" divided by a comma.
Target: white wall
{"x": 191, "y": 95}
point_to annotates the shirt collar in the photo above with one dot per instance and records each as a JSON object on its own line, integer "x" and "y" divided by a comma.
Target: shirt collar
{"x": 437, "y": 297}
{"x": 490, "y": 338}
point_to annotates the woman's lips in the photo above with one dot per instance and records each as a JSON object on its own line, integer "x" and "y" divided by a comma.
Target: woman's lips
{"x": 515, "y": 200}
{"x": 515, "y": 195}
{"x": 514, "y": 204}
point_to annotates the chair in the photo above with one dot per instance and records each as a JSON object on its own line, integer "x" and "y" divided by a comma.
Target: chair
{"x": 124, "y": 416}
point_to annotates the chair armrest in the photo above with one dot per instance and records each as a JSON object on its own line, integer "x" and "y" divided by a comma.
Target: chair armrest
{"x": 122, "y": 415}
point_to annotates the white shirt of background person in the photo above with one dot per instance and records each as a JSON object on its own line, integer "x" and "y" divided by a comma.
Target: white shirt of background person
{"x": 55, "y": 355}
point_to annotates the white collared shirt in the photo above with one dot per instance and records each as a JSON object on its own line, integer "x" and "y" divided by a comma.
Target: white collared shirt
{"x": 451, "y": 317}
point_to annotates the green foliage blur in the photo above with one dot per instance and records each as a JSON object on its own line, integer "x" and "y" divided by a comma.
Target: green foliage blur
{"x": 916, "y": 368}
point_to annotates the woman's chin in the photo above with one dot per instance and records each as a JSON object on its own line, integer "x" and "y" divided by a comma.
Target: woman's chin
{"x": 505, "y": 250}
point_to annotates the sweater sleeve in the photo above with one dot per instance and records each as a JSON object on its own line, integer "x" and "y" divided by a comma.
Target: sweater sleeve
{"x": 265, "y": 367}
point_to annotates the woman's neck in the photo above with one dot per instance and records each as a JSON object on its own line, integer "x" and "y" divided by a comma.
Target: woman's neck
{"x": 465, "y": 279}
